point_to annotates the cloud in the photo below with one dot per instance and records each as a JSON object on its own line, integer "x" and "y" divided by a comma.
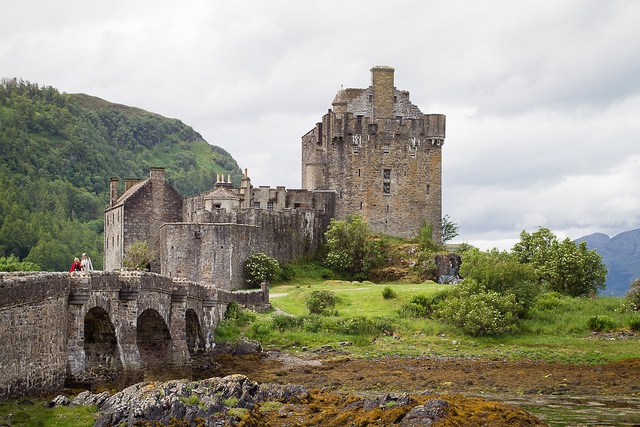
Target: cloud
{"x": 541, "y": 98}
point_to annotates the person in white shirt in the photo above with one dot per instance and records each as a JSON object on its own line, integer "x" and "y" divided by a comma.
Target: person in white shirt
{"x": 86, "y": 263}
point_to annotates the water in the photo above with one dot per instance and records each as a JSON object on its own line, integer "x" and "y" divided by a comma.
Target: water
{"x": 565, "y": 411}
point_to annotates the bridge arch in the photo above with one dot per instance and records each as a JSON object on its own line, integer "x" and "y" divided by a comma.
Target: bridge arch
{"x": 153, "y": 337}
{"x": 195, "y": 339}
{"x": 100, "y": 342}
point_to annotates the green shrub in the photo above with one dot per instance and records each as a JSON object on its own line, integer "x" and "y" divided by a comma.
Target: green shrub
{"x": 412, "y": 310}
{"x": 259, "y": 330}
{"x": 478, "y": 311}
{"x": 321, "y": 302}
{"x": 553, "y": 301}
{"x": 283, "y": 322}
{"x": 355, "y": 326}
{"x": 226, "y": 330}
{"x": 259, "y": 268}
{"x": 287, "y": 272}
{"x": 237, "y": 315}
{"x": 601, "y": 323}
{"x": 632, "y": 297}
{"x": 326, "y": 273}
{"x": 422, "y": 305}
{"x": 388, "y": 293}
{"x": 634, "y": 322}
{"x": 502, "y": 273}
{"x": 312, "y": 323}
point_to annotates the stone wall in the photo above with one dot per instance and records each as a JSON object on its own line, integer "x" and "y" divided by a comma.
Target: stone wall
{"x": 32, "y": 333}
{"x": 212, "y": 251}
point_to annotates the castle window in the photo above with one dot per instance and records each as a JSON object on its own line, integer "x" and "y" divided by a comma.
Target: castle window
{"x": 428, "y": 189}
{"x": 387, "y": 208}
{"x": 270, "y": 206}
{"x": 370, "y": 98}
{"x": 360, "y": 205}
{"x": 359, "y": 119}
{"x": 399, "y": 118}
{"x": 386, "y": 188}
{"x": 395, "y": 98}
{"x": 385, "y": 148}
{"x": 386, "y": 174}
{"x": 256, "y": 205}
{"x": 355, "y": 149}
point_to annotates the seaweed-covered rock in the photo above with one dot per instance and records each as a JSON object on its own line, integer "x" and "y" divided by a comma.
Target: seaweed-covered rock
{"x": 426, "y": 415}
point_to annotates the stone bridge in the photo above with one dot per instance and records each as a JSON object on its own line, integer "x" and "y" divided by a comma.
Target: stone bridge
{"x": 58, "y": 326}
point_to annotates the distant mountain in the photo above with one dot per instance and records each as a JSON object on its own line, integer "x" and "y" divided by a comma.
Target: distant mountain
{"x": 621, "y": 254}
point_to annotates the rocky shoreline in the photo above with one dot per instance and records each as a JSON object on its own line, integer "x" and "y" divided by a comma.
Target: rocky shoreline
{"x": 235, "y": 400}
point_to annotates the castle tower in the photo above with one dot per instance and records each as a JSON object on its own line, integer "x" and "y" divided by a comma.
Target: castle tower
{"x": 381, "y": 155}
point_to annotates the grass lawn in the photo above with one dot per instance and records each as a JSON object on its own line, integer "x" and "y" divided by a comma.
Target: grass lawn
{"x": 355, "y": 298}
{"x": 558, "y": 334}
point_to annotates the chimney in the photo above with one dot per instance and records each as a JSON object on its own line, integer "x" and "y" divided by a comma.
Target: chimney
{"x": 383, "y": 92}
{"x": 113, "y": 191}
{"x": 130, "y": 182}
{"x": 156, "y": 174}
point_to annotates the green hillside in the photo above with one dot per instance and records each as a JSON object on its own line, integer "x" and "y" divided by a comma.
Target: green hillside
{"x": 57, "y": 154}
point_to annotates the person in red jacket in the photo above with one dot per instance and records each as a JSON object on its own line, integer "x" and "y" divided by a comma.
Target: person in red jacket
{"x": 76, "y": 265}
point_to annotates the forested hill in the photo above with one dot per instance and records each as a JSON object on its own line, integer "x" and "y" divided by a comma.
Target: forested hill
{"x": 57, "y": 154}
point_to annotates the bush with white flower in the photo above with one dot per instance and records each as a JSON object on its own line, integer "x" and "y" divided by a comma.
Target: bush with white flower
{"x": 478, "y": 311}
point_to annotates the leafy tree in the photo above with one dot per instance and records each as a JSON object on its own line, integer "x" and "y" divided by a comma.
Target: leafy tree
{"x": 51, "y": 253}
{"x": 449, "y": 229}
{"x": 352, "y": 243}
{"x": 565, "y": 267}
{"x": 137, "y": 256}
{"x": 12, "y": 263}
{"x": 259, "y": 268}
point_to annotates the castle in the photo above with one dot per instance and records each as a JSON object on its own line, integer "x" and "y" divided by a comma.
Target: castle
{"x": 374, "y": 154}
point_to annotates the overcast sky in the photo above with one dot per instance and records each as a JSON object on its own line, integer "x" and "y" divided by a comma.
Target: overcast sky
{"x": 542, "y": 98}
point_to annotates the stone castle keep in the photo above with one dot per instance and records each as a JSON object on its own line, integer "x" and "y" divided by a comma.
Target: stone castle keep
{"x": 381, "y": 156}
{"x": 374, "y": 154}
